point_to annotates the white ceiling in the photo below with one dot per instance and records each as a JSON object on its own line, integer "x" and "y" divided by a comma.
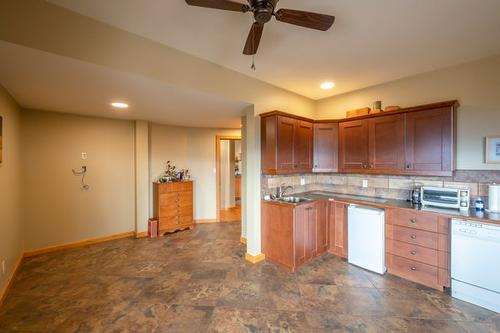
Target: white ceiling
{"x": 371, "y": 42}
{"x": 46, "y": 81}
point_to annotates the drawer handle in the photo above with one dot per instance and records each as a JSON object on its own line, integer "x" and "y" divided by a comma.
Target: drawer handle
{"x": 413, "y": 236}
{"x": 413, "y": 221}
{"x": 413, "y": 268}
{"x": 413, "y": 253}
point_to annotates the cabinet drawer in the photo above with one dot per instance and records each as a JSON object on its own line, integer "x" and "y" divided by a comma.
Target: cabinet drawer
{"x": 175, "y": 187}
{"x": 414, "y": 236}
{"x": 412, "y": 252}
{"x": 413, "y": 270}
{"x": 416, "y": 220}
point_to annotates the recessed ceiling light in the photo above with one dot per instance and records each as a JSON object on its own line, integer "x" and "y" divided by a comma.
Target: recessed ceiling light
{"x": 327, "y": 85}
{"x": 119, "y": 105}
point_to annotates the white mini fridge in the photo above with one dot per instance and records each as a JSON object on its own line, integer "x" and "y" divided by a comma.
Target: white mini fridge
{"x": 366, "y": 238}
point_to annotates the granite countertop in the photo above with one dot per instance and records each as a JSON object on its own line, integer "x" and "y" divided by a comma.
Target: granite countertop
{"x": 471, "y": 214}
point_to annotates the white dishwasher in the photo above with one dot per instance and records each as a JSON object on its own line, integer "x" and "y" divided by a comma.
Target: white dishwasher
{"x": 366, "y": 238}
{"x": 475, "y": 264}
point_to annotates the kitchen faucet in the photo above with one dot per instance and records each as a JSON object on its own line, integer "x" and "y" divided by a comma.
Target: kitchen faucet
{"x": 282, "y": 189}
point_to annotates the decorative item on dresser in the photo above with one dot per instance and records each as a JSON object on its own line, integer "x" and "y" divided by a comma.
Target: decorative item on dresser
{"x": 173, "y": 205}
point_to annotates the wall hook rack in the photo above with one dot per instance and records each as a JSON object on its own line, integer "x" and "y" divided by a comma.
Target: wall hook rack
{"x": 82, "y": 172}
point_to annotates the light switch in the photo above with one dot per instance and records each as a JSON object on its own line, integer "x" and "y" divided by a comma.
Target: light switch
{"x": 302, "y": 181}
{"x": 84, "y": 156}
{"x": 365, "y": 183}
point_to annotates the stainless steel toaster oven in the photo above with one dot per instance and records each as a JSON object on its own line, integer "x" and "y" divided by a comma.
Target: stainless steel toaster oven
{"x": 445, "y": 197}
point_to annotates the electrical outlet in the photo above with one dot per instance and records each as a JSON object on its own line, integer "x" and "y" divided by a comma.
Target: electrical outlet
{"x": 84, "y": 155}
{"x": 365, "y": 183}
{"x": 302, "y": 181}
{"x": 3, "y": 266}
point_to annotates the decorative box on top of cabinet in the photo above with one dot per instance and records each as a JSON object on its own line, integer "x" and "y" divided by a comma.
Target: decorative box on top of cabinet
{"x": 173, "y": 205}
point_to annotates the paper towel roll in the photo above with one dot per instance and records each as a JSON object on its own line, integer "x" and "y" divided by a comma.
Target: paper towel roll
{"x": 494, "y": 198}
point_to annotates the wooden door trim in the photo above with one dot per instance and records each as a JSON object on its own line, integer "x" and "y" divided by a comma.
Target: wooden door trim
{"x": 218, "y": 139}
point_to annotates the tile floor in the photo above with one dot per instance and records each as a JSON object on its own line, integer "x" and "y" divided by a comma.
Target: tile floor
{"x": 198, "y": 281}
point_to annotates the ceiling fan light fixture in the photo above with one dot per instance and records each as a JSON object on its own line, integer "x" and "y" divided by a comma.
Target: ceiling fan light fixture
{"x": 327, "y": 85}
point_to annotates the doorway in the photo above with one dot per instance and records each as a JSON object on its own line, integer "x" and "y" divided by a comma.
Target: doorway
{"x": 228, "y": 155}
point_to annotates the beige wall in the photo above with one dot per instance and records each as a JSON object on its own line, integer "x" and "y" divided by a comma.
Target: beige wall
{"x": 11, "y": 224}
{"x": 56, "y": 209}
{"x": 194, "y": 149}
{"x": 476, "y": 85}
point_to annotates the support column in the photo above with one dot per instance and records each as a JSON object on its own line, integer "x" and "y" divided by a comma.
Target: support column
{"x": 141, "y": 178}
{"x": 251, "y": 174}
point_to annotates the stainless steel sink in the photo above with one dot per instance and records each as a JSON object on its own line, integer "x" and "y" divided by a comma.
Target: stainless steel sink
{"x": 294, "y": 200}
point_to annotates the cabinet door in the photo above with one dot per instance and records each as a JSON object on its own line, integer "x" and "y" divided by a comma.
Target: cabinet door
{"x": 300, "y": 233}
{"x": 278, "y": 233}
{"x": 353, "y": 137}
{"x": 322, "y": 226}
{"x": 338, "y": 228}
{"x": 311, "y": 246}
{"x": 303, "y": 146}
{"x": 429, "y": 142}
{"x": 286, "y": 136}
{"x": 386, "y": 137}
{"x": 326, "y": 147}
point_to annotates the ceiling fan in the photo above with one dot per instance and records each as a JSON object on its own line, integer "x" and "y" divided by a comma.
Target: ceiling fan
{"x": 263, "y": 11}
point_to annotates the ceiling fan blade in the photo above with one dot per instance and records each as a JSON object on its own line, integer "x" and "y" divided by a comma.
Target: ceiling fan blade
{"x": 305, "y": 19}
{"x": 220, "y": 4}
{"x": 253, "y": 39}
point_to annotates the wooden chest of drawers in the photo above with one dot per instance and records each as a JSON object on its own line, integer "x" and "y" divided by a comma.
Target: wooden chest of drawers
{"x": 417, "y": 247}
{"x": 173, "y": 206}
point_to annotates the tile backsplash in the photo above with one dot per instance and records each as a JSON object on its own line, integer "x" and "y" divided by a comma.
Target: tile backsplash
{"x": 383, "y": 186}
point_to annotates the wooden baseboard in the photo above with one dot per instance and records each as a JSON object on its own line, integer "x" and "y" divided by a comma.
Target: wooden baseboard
{"x": 243, "y": 240}
{"x": 142, "y": 234}
{"x": 255, "y": 259}
{"x": 77, "y": 244}
{"x": 205, "y": 221}
{"x": 10, "y": 279}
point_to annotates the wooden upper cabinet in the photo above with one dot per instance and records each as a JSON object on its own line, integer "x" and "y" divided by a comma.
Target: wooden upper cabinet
{"x": 303, "y": 146}
{"x": 353, "y": 140}
{"x": 326, "y": 146}
{"x": 387, "y": 142}
{"x": 430, "y": 142}
{"x": 286, "y": 144}
{"x": 286, "y": 138}
{"x": 412, "y": 141}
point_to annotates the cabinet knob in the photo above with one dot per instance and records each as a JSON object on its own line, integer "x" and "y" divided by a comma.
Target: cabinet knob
{"x": 413, "y": 253}
{"x": 413, "y": 221}
{"x": 413, "y": 268}
{"x": 371, "y": 166}
{"x": 413, "y": 236}
{"x": 315, "y": 165}
{"x": 408, "y": 166}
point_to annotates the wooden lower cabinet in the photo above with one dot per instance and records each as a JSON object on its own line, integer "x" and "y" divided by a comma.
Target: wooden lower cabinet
{"x": 417, "y": 247}
{"x": 173, "y": 206}
{"x": 293, "y": 235}
{"x": 337, "y": 225}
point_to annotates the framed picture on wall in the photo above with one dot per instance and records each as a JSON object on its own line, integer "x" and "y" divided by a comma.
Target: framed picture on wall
{"x": 493, "y": 149}
{"x": 1, "y": 128}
